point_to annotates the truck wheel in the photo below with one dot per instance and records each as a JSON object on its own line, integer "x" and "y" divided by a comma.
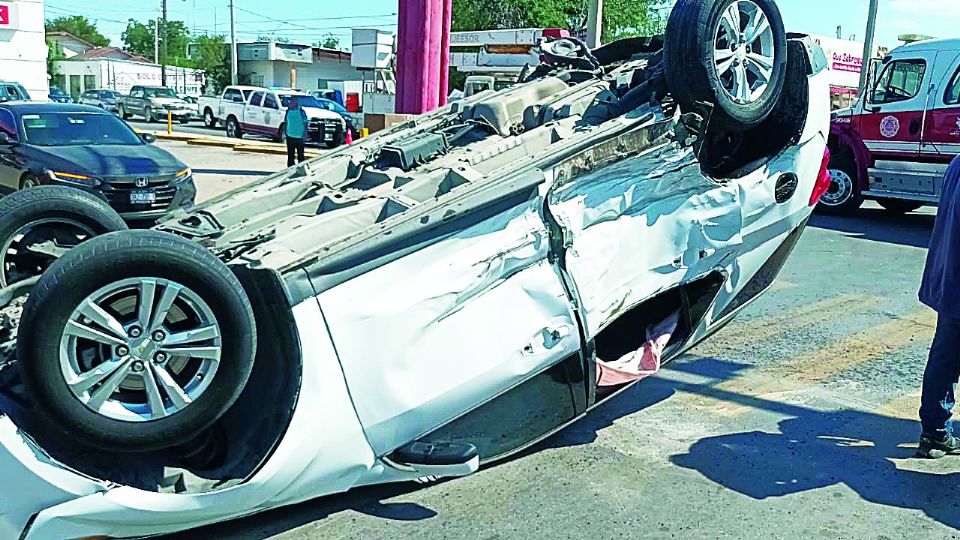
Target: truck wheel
{"x": 208, "y": 119}
{"x": 136, "y": 341}
{"x": 42, "y": 223}
{"x": 728, "y": 53}
{"x": 123, "y": 112}
{"x": 233, "y": 128}
{"x": 899, "y": 206}
{"x": 281, "y": 135}
{"x": 148, "y": 115}
{"x": 844, "y": 196}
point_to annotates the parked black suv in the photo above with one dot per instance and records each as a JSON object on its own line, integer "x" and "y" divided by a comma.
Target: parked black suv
{"x": 90, "y": 149}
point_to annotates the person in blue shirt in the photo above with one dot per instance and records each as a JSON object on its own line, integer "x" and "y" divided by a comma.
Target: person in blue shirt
{"x": 296, "y": 122}
{"x": 941, "y": 291}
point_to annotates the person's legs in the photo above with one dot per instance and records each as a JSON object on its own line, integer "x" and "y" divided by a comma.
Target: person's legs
{"x": 291, "y": 146}
{"x": 301, "y": 149}
{"x": 939, "y": 385}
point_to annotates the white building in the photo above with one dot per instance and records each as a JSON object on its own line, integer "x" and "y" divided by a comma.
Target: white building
{"x": 79, "y": 75}
{"x": 291, "y": 65}
{"x": 23, "y": 51}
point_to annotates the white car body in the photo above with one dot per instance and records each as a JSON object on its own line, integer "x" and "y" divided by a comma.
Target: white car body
{"x": 230, "y": 102}
{"x": 265, "y": 112}
{"x": 394, "y": 351}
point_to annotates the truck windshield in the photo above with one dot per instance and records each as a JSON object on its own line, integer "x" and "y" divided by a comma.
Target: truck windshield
{"x": 159, "y": 92}
{"x": 76, "y": 129}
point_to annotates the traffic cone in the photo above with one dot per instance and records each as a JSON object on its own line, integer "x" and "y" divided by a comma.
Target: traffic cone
{"x": 349, "y": 139}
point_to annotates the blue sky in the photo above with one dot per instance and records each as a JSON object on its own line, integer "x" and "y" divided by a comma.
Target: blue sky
{"x": 309, "y": 20}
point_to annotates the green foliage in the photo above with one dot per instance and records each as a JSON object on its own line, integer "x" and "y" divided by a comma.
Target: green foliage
{"x": 330, "y": 41}
{"x": 80, "y": 27}
{"x": 138, "y": 38}
{"x": 212, "y": 55}
{"x": 54, "y": 53}
{"x": 621, "y": 18}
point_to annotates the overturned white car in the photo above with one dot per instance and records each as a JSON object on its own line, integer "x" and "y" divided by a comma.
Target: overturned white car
{"x": 413, "y": 305}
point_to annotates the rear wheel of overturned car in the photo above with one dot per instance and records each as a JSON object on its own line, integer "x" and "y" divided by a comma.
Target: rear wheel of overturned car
{"x": 136, "y": 341}
{"x": 40, "y": 224}
{"x": 844, "y": 196}
{"x": 731, "y": 54}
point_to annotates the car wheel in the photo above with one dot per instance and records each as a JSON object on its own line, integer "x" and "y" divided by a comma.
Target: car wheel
{"x": 29, "y": 181}
{"x": 148, "y": 115}
{"x": 844, "y": 195}
{"x": 233, "y": 128}
{"x": 208, "y": 119}
{"x": 136, "y": 341}
{"x": 42, "y": 223}
{"x": 185, "y": 120}
{"x": 123, "y": 112}
{"x": 899, "y": 206}
{"x": 731, "y": 54}
{"x": 281, "y": 134}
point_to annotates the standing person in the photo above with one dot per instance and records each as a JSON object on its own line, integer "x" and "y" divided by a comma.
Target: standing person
{"x": 941, "y": 291}
{"x": 296, "y": 129}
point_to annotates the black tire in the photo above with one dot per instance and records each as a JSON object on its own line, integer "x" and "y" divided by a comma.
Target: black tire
{"x": 233, "y": 128}
{"x": 29, "y": 181}
{"x": 844, "y": 197}
{"x": 148, "y": 115}
{"x": 104, "y": 262}
{"x": 693, "y": 34}
{"x": 51, "y": 203}
{"x": 281, "y": 136}
{"x": 899, "y": 206}
{"x": 123, "y": 112}
{"x": 185, "y": 120}
{"x": 208, "y": 119}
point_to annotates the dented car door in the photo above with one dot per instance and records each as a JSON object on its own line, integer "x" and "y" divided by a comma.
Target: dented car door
{"x": 429, "y": 336}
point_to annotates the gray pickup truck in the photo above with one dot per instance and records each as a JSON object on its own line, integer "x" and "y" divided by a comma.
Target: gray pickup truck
{"x": 153, "y": 103}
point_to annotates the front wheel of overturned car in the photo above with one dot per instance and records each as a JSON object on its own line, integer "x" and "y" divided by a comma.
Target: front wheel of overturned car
{"x": 731, "y": 54}
{"x": 40, "y": 224}
{"x": 136, "y": 341}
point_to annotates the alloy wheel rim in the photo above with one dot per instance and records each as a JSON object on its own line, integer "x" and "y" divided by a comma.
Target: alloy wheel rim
{"x": 14, "y": 252}
{"x": 140, "y": 349}
{"x": 840, "y": 190}
{"x": 744, "y": 52}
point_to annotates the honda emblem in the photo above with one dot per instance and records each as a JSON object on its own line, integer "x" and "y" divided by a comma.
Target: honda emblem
{"x": 142, "y": 182}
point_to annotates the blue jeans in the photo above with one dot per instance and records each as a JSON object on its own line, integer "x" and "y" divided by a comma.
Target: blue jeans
{"x": 940, "y": 378}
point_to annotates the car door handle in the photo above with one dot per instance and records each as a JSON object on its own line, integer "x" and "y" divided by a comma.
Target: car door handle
{"x": 546, "y": 339}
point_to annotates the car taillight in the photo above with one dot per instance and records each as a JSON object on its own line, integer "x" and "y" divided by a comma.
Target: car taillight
{"x": 823, "y": 179}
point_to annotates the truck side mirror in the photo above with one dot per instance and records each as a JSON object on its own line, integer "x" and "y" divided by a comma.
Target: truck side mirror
{"x": 148, "y": 138}
{"x": 5, "y": 140}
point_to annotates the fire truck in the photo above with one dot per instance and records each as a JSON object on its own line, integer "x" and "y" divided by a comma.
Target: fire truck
{"x": 894, "y": 145}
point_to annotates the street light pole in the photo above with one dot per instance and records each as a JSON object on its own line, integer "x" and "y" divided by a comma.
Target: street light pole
{"x": 163, "y": 44}
{"x": 233, "y": 45}
{"x": 868, "y": 45}
{"x": 594, "y": 23}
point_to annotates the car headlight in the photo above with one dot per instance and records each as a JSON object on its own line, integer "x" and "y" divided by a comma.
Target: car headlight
{"x": 184, "y": 175}
{"x": 72, "y": 178}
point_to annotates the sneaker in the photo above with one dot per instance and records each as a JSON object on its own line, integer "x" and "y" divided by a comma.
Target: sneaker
{"x": 932, "y": 448}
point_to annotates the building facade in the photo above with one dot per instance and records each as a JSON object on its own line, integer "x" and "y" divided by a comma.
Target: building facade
{"x": 79, "y": 75}
{"x": 23, "y": 50}
{"x": 290, "y": 65}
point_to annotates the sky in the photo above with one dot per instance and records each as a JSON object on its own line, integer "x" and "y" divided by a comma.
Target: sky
{"x": 307, "y": 21}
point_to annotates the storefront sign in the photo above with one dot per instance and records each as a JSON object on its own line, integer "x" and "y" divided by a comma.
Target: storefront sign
{"x": 9, "y": 17}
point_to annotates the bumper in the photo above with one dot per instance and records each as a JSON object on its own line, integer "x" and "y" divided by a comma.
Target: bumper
{"x": 169, "y": 198}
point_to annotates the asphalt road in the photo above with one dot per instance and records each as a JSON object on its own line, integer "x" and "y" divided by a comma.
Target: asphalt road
{"x": 796, "y": 421}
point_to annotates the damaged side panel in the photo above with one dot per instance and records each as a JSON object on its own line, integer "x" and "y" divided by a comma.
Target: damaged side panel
{"x": 427, "y": 337}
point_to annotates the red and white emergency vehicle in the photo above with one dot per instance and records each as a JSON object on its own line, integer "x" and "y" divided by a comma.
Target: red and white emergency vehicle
{"x": 895, "y": 143}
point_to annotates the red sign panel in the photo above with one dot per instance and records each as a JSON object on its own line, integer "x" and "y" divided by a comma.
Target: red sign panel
{"x": 4, "y": 15}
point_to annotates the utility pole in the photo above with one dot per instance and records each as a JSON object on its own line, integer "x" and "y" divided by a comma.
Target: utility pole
{"x": 233, "y": 45}
{"x": 163, "y": 52}
{"x": 594, "y": 23}
{"x": 156, "y": 41}
{"x": 868, "y": 45}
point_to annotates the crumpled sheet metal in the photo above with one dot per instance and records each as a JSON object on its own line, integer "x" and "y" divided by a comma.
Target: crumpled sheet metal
{"x": 628, "y": 239}
{"x": 429, "y": 336}
{"x": 323, "y": 452}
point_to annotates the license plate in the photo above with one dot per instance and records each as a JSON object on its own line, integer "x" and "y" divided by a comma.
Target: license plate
{"x": 143, "y": 197}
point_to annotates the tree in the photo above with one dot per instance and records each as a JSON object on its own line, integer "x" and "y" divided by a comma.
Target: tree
{"x": 80, "y": 27}
{"x": 621, "y": 18}
{"x": 138, "y": 38}
{"x": 330, "y": 41}
{"x": 212, "y": 55}
{"x": 54, "y": 53}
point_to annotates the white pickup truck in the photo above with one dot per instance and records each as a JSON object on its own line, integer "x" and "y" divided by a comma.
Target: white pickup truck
{"x": 266, "y": 109}
{"x": 216, "y": 109}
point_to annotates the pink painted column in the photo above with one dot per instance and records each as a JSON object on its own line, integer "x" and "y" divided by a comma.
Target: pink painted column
{"x": 423, "y": 53}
